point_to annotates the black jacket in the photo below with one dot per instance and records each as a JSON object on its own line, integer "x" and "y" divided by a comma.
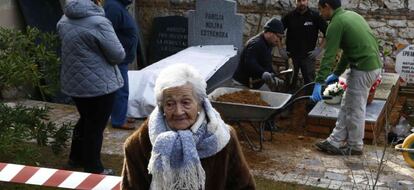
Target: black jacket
{"x": 302, "y": 31}
{"x": 256, "y": 58}
{"x": 124, "y": 25}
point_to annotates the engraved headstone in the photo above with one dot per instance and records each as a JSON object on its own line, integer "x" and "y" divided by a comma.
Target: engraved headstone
{"x": 169, "y": 36}
{"x": 215, "y": 22}
{"x": 405, "y": 64}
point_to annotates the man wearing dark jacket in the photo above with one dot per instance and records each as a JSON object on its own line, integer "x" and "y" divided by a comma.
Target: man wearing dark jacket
{"x": 303, "y": 26}
{"x": 127, "y": 32}
{"x": 256, "y": 57}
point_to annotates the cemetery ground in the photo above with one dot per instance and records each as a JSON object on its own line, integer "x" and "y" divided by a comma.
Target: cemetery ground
{"x": 288, "y": 161}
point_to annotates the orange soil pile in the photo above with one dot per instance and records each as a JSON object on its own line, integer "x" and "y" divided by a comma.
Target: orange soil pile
{"x": 243, "y": 97}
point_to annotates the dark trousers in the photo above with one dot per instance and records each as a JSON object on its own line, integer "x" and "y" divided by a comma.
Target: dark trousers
{"x": 88, "y": 133}
{"x": 307, "y": 68}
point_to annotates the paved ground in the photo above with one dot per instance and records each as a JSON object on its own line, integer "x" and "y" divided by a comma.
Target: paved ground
{"x": 291, "y": 157}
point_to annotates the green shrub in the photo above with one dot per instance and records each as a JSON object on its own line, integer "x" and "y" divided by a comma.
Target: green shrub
{"x": 19, "y": 125}
{"x": 28, "y": 59}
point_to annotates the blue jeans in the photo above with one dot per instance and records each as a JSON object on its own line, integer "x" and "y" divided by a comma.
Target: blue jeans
{"x": 119, "y": 111}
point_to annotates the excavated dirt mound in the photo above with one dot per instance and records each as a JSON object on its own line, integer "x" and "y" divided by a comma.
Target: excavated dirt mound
{"x": 243, "y": 97}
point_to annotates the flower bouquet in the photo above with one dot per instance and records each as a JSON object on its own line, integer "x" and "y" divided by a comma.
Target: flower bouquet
{"x": 336, "y": 90}
{"x": 372, "y": 90}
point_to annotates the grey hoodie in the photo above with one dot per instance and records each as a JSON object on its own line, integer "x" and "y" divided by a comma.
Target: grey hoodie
{"x": 90, "y": 51}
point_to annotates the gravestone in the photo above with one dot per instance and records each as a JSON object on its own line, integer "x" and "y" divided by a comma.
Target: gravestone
{"x": 169, "y": 36}
{"x": 405, "y": 64}
{"x": 215, "y": 22}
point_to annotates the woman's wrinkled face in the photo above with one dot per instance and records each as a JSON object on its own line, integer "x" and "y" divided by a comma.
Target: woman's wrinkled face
{"x": 180, "y": 107}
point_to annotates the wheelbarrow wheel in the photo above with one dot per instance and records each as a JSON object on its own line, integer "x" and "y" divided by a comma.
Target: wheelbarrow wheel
{"x": 409, "y": 143}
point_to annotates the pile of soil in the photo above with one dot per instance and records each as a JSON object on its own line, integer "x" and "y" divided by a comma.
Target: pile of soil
{"x": 243, "y": 97}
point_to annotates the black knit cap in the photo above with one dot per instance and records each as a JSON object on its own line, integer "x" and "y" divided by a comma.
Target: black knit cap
{"x": 274, "y": 25}
{"x": 333, "y": 3}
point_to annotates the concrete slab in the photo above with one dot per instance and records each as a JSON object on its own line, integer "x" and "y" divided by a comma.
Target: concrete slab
{"x": 329, "y": 111}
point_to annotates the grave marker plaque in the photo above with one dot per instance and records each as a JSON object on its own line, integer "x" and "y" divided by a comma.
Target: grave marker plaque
{"x": 169, "y": 36}
{"x": 215, "y": 22}
{"x": 405, "y": 64}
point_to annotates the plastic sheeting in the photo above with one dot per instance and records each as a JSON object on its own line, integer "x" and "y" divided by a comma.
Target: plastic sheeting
{"x": 207, "y": 59}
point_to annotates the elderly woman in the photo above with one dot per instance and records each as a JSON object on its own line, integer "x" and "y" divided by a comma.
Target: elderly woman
{"x": 184, "y": 144}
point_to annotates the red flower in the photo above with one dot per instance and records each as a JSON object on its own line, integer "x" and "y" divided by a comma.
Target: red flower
{"x": 343, "y": 84}
{"x": 376, "y": 84}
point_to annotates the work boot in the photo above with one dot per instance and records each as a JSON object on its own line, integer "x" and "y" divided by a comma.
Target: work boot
{"x": 327, "y": 147}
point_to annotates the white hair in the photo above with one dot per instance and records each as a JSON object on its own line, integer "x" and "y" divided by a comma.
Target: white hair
{"x": 178, "y": 75}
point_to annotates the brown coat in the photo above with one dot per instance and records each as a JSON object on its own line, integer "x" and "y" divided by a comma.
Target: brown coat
{"x": 225, "y": 170}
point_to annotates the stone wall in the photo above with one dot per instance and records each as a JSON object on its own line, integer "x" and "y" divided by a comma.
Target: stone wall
{"x": 392, "y": 20}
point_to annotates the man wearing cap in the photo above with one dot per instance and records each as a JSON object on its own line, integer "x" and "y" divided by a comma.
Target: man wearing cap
{"x": 256, "y": 57}
{"x": 351, "y": 33}
{"x": 302, "y": 29}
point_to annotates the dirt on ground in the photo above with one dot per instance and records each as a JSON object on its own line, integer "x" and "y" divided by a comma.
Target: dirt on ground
{"x": 280, "y": 147}
{"x": 290, "y": 144}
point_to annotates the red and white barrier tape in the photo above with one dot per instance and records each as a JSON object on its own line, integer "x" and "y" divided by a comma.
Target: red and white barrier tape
{"x": 57, "y": 178}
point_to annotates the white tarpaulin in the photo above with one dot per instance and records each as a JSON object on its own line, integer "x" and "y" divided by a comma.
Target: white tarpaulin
{"x": 206, "y": 59}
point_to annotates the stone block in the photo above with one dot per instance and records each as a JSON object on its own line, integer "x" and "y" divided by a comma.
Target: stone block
{"x": 324, "y": 183}
{"x": 335, "y": 176}
{"x": 411, "y": 5}
{"x": 376, "y": 23}
{"x": 215, "y": 22}
{"x": 394, "y": 4}
{"x": 335, "y": 184}
{"x": 397, "y": 23}
{"x": 290, "y": 178}
{"x": 347, "y": 186}
{"x": 406, "y": 33}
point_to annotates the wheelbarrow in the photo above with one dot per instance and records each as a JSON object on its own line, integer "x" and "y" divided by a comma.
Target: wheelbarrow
{"x": 407, "y": 149}
{"x": 238, "y": 112}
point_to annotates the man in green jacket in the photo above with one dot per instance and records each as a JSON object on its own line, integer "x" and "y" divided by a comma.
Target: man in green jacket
{"x": 348, "y": 31}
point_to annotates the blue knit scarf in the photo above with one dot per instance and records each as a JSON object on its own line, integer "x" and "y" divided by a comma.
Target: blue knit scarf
{"x": 175, "y": 157}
